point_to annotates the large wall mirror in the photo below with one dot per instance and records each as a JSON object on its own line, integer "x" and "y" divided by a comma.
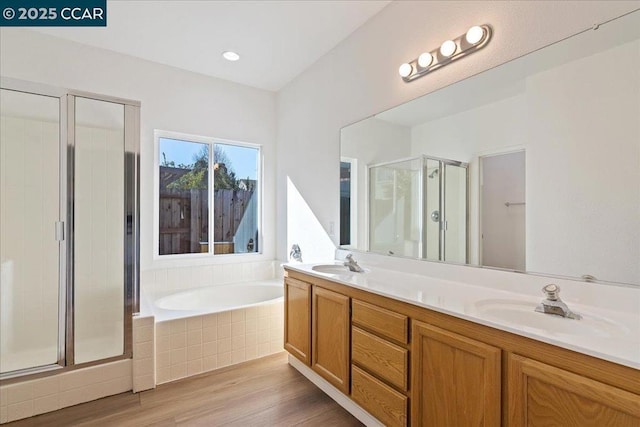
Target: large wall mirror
{"x": 531, "y": 166}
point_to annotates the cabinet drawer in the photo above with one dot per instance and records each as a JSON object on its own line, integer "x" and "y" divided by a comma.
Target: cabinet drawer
{"x": 387, "y": 361}
{"x": 381, "y": 321}
{"x": 380, "y": 400}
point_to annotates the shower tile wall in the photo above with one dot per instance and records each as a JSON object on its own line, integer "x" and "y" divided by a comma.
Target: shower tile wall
{"x": 186, "y": 347}
{"x": 159, "y": 282}
{"x": 99, "y": 249}
{"x": 30, "y": 398}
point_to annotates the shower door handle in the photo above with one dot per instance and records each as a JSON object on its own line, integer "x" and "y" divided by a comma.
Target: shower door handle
{"x": 59, "y": 231}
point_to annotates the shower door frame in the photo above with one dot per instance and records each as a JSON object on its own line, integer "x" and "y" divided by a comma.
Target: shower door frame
{"x": 443, "y": 210}
{"x": 131, "y": 229}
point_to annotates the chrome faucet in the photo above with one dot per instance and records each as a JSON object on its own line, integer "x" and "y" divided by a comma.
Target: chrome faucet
{"x": 552, "y": 304}
{"x": 352, "y": 264}
{"x": 296, "y": 253}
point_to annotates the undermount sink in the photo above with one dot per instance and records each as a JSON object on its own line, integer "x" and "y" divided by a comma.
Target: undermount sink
{"x": 331, "y": 269}
{"x": 522, "y": 313}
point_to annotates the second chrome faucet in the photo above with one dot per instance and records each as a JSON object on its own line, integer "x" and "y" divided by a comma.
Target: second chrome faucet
{"x": 552, "y": 304}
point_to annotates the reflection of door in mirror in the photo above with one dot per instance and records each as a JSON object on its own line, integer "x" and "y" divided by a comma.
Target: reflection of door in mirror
{"x": 446, "y": 211}
{"x": 503, "y": 210}
{"x": 455, "y": 213}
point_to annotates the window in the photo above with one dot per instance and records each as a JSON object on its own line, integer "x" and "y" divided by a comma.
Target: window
{"x": 208, "y": 195}
{"x": 345, "y": 203}
{"x": 348, "y": 201}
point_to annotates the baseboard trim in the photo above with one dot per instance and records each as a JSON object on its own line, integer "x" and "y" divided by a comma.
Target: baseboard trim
{"x": 354, "y": 409}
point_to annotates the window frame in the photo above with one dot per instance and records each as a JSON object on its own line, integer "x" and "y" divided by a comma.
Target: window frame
{"x": 210, "y": 141}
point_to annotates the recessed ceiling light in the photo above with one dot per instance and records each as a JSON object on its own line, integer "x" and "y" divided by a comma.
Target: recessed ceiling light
{"x": 230, "y": 56}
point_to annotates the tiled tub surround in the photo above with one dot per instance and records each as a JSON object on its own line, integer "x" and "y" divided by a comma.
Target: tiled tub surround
{"x": 193, "y": 345}
{"x": 144, "y": 351}
{"x": 189, "y": 343}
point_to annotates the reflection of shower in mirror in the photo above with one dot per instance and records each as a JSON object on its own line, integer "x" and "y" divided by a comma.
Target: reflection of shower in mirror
{"x": 410, "y": 215}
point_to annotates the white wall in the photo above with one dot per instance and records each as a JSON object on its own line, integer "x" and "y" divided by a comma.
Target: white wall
{"x": 172, "y": 99}
{"x": 359, "y": 78}
{"x": 577, "y": 201}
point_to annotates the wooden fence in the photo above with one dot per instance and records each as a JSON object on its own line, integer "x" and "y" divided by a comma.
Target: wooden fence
{"x": 184, "y": 220}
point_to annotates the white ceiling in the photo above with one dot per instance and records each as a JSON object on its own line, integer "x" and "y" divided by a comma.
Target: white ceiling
{"x": 276, "y": 40}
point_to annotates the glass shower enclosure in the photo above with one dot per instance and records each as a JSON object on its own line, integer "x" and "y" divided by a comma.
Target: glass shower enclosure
{"x": 69, "y": 242}
{"x": 418, "y": 208}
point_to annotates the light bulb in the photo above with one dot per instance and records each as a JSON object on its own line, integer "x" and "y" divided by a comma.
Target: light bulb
{"x": 475, "y": 34}
{"x": 230, "y": 56}
{"x": 425, "y": 59}
{"x": 448, "y": 48}
{"x": 405, "y": 69}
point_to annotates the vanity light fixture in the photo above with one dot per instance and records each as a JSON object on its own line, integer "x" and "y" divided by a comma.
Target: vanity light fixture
{"x": 230, "y": 56}
{"x": 474, "y": 39}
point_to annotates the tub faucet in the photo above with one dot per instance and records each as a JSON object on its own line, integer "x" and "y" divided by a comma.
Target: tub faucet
{"x": 352, "y": 264}
{"x": 296, "y": 253}
{"x": 552, "y": 304}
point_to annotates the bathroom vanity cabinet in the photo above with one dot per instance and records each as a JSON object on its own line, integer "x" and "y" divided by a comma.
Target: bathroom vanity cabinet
{"x": 458, "y": 379}
{"x": 409, "y": 365}
{"x": 297, "y": 319}
{"x": 380, "y": 362}
{"x": 330, "y": 314}
{"x": 316, "y": 331}
{"x": 545, "y": 395}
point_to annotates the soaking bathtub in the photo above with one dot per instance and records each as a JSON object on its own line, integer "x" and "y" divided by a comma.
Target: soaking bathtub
{"x": 203, "y": 329}
{"x": 214, "y": 299}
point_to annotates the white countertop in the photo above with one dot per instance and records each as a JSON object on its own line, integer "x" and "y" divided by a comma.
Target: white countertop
{"x": 604, "y": 332}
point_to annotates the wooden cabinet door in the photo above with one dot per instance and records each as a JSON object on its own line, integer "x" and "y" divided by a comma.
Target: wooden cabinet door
{"x": 541, "y": 395}
{"x": 455, "y": 380}
{"x": 297, "y": 319}
{"x": 330, "y": 332}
